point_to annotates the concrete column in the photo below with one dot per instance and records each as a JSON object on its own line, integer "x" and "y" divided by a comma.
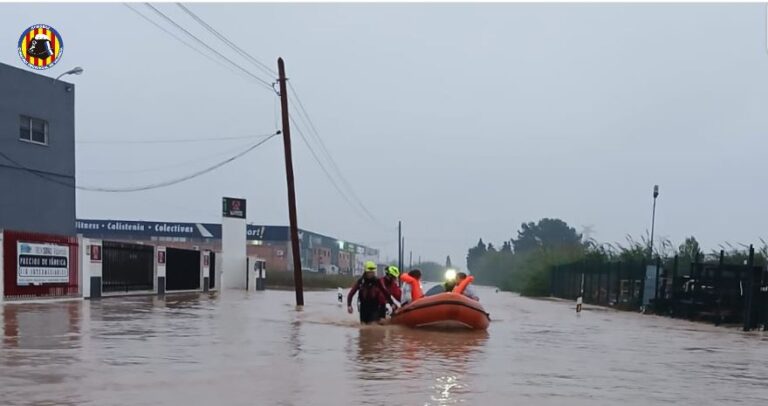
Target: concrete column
{"x": 160, "y": 262}
{"x": 84, "y": 263}
{"x": 95, "y": 255}
{"x": 233, "y": 246}
{"x": 206, "y": 258}
{"x": 219, "y": 265}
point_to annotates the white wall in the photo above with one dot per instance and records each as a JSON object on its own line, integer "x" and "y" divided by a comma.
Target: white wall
{"x": 89, "y": 268}
{"x": 84, "y": 252}
{"x": 233, "y": 250}
{"x": 206, "y": 268}
{"x": 160, "y": 267}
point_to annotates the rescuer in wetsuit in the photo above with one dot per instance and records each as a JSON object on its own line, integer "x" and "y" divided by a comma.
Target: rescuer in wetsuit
{"x": 371, "y": 292}
{"x": 390, "y": 280}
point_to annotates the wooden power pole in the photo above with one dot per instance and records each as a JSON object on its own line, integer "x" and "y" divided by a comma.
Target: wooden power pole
{"x": 295, "y": 247}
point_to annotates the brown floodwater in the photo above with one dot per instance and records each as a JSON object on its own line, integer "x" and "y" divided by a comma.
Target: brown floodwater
{"x": 255, "y": 349}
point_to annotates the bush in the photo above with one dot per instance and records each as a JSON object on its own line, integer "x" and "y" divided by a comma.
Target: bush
{"x": 312, "y": 280}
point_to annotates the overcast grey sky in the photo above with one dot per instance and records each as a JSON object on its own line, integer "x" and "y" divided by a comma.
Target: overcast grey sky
{"x": 461, "y": 120}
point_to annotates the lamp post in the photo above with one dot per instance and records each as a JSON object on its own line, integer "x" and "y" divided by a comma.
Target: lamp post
{"x": 74, "y": 71}
{"x": 653, "y": 220}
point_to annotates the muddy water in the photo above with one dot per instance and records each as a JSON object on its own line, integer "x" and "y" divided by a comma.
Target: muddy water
{"x": 255, "y": 349}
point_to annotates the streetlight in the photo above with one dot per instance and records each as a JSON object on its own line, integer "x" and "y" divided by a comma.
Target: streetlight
{"x": 74, "y": 71}
{"x": 653, "y": 219}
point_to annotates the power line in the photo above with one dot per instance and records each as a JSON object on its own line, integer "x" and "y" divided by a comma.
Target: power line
{"x": 195, "y": 160}
{"x": 264, "y": 68}
{"x": 190, "y": 46}
{"x": 172, "y": 141}
{"x": 263, "y": 82}
{"x": 328, "y": 174}
{"x": 137, "y": 188}
{"x": 328, "y": 155}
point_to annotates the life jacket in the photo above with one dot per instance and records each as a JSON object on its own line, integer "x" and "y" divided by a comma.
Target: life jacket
{"x": 416, "y": 291}
{"x": 463, "y": 284}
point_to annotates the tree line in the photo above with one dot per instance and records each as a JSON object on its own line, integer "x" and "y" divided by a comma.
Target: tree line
{"x": 523, "y": 263}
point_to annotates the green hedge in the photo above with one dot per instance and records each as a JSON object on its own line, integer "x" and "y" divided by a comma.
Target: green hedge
{"x": 312, "y": 280}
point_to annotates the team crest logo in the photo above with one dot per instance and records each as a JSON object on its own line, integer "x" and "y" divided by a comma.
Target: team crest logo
{"x": 40, "y": 46}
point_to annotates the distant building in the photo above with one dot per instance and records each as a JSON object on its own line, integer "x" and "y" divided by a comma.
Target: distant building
{"x": 37, "y": 152}
{"x": 272, "y": 243}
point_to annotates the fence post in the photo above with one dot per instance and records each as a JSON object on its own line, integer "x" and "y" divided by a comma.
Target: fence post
{"x": 748, "y": 313}
{"x": 599, "y": 284}
{"x": 656, "y": 291}
{"x": 641, "y": 295}
{"x": 618, "y": 283}
{"x": 608, "y": 269}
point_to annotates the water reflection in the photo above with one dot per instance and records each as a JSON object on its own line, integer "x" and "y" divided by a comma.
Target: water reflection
{"x": 431, "y": 364}
{"x": 41, "y": 343}
{"x": 240, "y": 349}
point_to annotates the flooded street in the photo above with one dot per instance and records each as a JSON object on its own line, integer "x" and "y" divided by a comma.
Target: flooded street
{"x": 255, "y": 349}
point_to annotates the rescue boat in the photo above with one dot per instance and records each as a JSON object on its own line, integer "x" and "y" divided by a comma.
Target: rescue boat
{"x": 443, "y": 310}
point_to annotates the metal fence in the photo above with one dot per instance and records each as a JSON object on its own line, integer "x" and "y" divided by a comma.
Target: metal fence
{"x": 698, "y": 290}
{"x": 127, "y": 267}
{"x": 601, "y": 283}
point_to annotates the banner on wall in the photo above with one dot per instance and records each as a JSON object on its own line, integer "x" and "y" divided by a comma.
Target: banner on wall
{"x": 39, "y": 264}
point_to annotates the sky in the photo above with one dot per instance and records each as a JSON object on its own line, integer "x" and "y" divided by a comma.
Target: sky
{"x": 461, "y": 120}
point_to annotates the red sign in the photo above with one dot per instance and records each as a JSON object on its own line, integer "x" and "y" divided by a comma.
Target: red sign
{"x": 95, "y": 253}
{"x": 161, "y": 257}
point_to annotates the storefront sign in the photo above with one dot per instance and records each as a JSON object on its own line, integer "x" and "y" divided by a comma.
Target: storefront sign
{"x": 233, "y": 207}
{"x": 95, "y": 253}
{"x": 39, "y": 264}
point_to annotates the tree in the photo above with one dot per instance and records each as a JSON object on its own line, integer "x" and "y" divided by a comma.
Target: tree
{"x": 448, "y": 262}
{"x": 688, "y": 250}
{"x": 474, "y": 256}
{"x": 507, "y": 247}
{"x": 547, "y": 233}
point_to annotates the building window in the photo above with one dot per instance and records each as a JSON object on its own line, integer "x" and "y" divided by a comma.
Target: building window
{"x": 33, "y": 130}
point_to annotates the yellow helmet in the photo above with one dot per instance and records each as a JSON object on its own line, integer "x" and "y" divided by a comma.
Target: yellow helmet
{"x": 394, "y": 271}
{"x": 370, "y": 266}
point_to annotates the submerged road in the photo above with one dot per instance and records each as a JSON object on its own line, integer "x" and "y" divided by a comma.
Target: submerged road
{"x": 255, "y": 349}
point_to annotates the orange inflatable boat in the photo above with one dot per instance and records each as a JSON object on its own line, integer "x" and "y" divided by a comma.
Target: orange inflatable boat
{"x": 444, "y": 310}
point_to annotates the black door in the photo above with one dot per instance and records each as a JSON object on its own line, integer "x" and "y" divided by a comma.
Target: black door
{"x": 182, "y": 270}
{"x": 127, "y": 267}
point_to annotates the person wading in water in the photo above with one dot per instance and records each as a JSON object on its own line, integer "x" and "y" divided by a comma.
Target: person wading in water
{"x": 371, "y": 293}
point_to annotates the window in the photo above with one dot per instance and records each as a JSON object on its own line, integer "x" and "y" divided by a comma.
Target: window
{"x": 33, "y": 130}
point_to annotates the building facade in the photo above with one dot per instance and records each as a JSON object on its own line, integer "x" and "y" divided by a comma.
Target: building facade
{"x": 319, "y": 253}
{"x": 37, "y": 153}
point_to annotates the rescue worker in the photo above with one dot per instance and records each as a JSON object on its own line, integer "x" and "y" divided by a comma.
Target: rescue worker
{"x": 446, "y": 286}
{"x": 371, "y": 292}
{"x": 390, "y": 280}
{"x": 468, "y": 291}
{"x": 412, "y": 289}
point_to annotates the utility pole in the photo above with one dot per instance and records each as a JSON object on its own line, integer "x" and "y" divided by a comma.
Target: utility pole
{"x": 298, "y": 283}
{"x": 400, "y": 244}
{"x": 410, "y": 260}
{"x": 653, "y": 220}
